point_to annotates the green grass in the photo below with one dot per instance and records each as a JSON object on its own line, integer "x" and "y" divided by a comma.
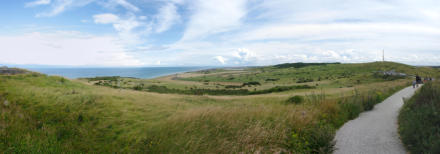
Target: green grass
{"x": 319, "y": 75}
{"x": 49, "y": 114}
{"x": 195, "y": 91}
{"x": 419, "y": 120}
{"x": 299, "y": 65}
{"x": 310, "y": 73}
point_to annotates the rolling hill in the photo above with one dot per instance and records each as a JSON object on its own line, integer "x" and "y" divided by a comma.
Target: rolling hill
{"x": 50, "y": 114}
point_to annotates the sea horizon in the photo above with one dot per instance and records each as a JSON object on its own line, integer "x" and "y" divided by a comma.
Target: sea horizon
{"x": 135, "y": 72}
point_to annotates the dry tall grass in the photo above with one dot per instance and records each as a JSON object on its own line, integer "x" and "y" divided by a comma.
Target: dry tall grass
{"x": 54, "y": 115}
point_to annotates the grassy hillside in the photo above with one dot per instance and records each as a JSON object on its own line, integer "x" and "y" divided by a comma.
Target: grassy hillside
{"x": 419, "y": 120}
{"x": 49, "y": 114}
{"x": 260, "y": 80}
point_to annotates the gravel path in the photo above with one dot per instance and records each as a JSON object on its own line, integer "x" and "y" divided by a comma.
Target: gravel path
{"x": 374, "y": 131}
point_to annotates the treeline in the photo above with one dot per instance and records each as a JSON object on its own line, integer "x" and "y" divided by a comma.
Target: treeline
{"x": 197, "y": 91}
{"x": 300, "y": 65}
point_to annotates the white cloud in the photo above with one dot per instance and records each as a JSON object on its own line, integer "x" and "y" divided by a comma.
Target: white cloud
{"x": 126, "y": 5}
{"x": 65, "y": 48}
{"x": 326, "y": 31}
{"x": 37, "y": 2}
{"x": 143, "y": 17}
{"x": 220, "y": 59}
{"x": 126, "y": 25}
{"x": 244, "y": 56}
{"x": 263, "y": 32}
{"x": 214, "y": 16}
{"x": 354, "y": 32}
{"x": 111, "y": 4}
{"x": 57, "y": 8}
{"x": 167, "y": 17}
{"x": 126, "y": 28}
{"x": 432, "y": 14}
{"x": 106, "y": 18}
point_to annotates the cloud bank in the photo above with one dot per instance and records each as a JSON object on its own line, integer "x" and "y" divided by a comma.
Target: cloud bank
{"x": 245, "y": 32}
{"x": 65, "y": 48}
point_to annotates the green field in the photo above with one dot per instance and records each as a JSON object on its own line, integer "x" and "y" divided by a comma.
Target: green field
{"x": 196, "y": 112}
{"x": 258, "y": 79}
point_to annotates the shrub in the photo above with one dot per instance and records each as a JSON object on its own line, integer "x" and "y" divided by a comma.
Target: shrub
{"x": 419, "y": 120}
{"x": 232, "y": 86}
{"x": 351, "y": 108}
{"x": 197, "y": 91}
{"x": 62, "y": 80}
{"x": 300, "y": 65}
{"x": 252, "y": 83}
{"x": 139, "y": 87}
{"x": 315, "y": 138}
{"x": 295, "y": 99}
{"x": 272, "y": 79}
{"x": 98, "y": 83}
{"x": 304, "y": 80}
{"x": 110, "y": 78}
{"x": 387, "y": 77}
{"x": 280, "y": 89}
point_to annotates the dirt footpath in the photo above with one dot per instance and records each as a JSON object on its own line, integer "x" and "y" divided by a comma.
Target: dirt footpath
{"x": 374, "y": 131}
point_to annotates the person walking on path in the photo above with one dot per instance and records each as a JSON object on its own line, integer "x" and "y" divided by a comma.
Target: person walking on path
{"x": 414, "y": 83}
{"x": 418, "y": 80}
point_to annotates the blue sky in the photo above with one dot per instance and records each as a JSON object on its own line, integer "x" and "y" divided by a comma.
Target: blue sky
{"x": 217, "y": 32}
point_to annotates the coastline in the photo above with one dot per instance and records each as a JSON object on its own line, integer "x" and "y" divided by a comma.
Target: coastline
{"x": 140, "y": 73}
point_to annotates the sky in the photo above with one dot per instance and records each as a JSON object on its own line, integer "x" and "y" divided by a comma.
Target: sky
{"x": 217, "y": 32}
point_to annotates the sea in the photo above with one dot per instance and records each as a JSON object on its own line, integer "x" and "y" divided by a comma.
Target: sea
{"x": 141, "y": 72}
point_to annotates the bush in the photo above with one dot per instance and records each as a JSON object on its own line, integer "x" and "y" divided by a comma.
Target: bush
{"x": 232, "y": 86}
{"x": 315, "y": 138}
{"x": 351, "y": 109}
{"x": 252, "y": 83}
{"x": 196, "y": 91}
{"x": 62, "y": 80}
{"x": 300, "y": 65}
{"x": 109, "y": 78}
{"x": 139, "y": 87}
{"x": 280, "y": 89}
{"x": 419, "y": 120}
{"x": 354, "y": 105}
{"x": 272, "y": 79}
{"x": 295, "y": 99}
{"x": 304, "y": 80}
{"x": 388, "y": 77}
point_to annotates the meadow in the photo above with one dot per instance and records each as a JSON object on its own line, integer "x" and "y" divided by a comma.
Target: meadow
{"x": 259, "y": 79}
{"x": 50, "y": 114}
